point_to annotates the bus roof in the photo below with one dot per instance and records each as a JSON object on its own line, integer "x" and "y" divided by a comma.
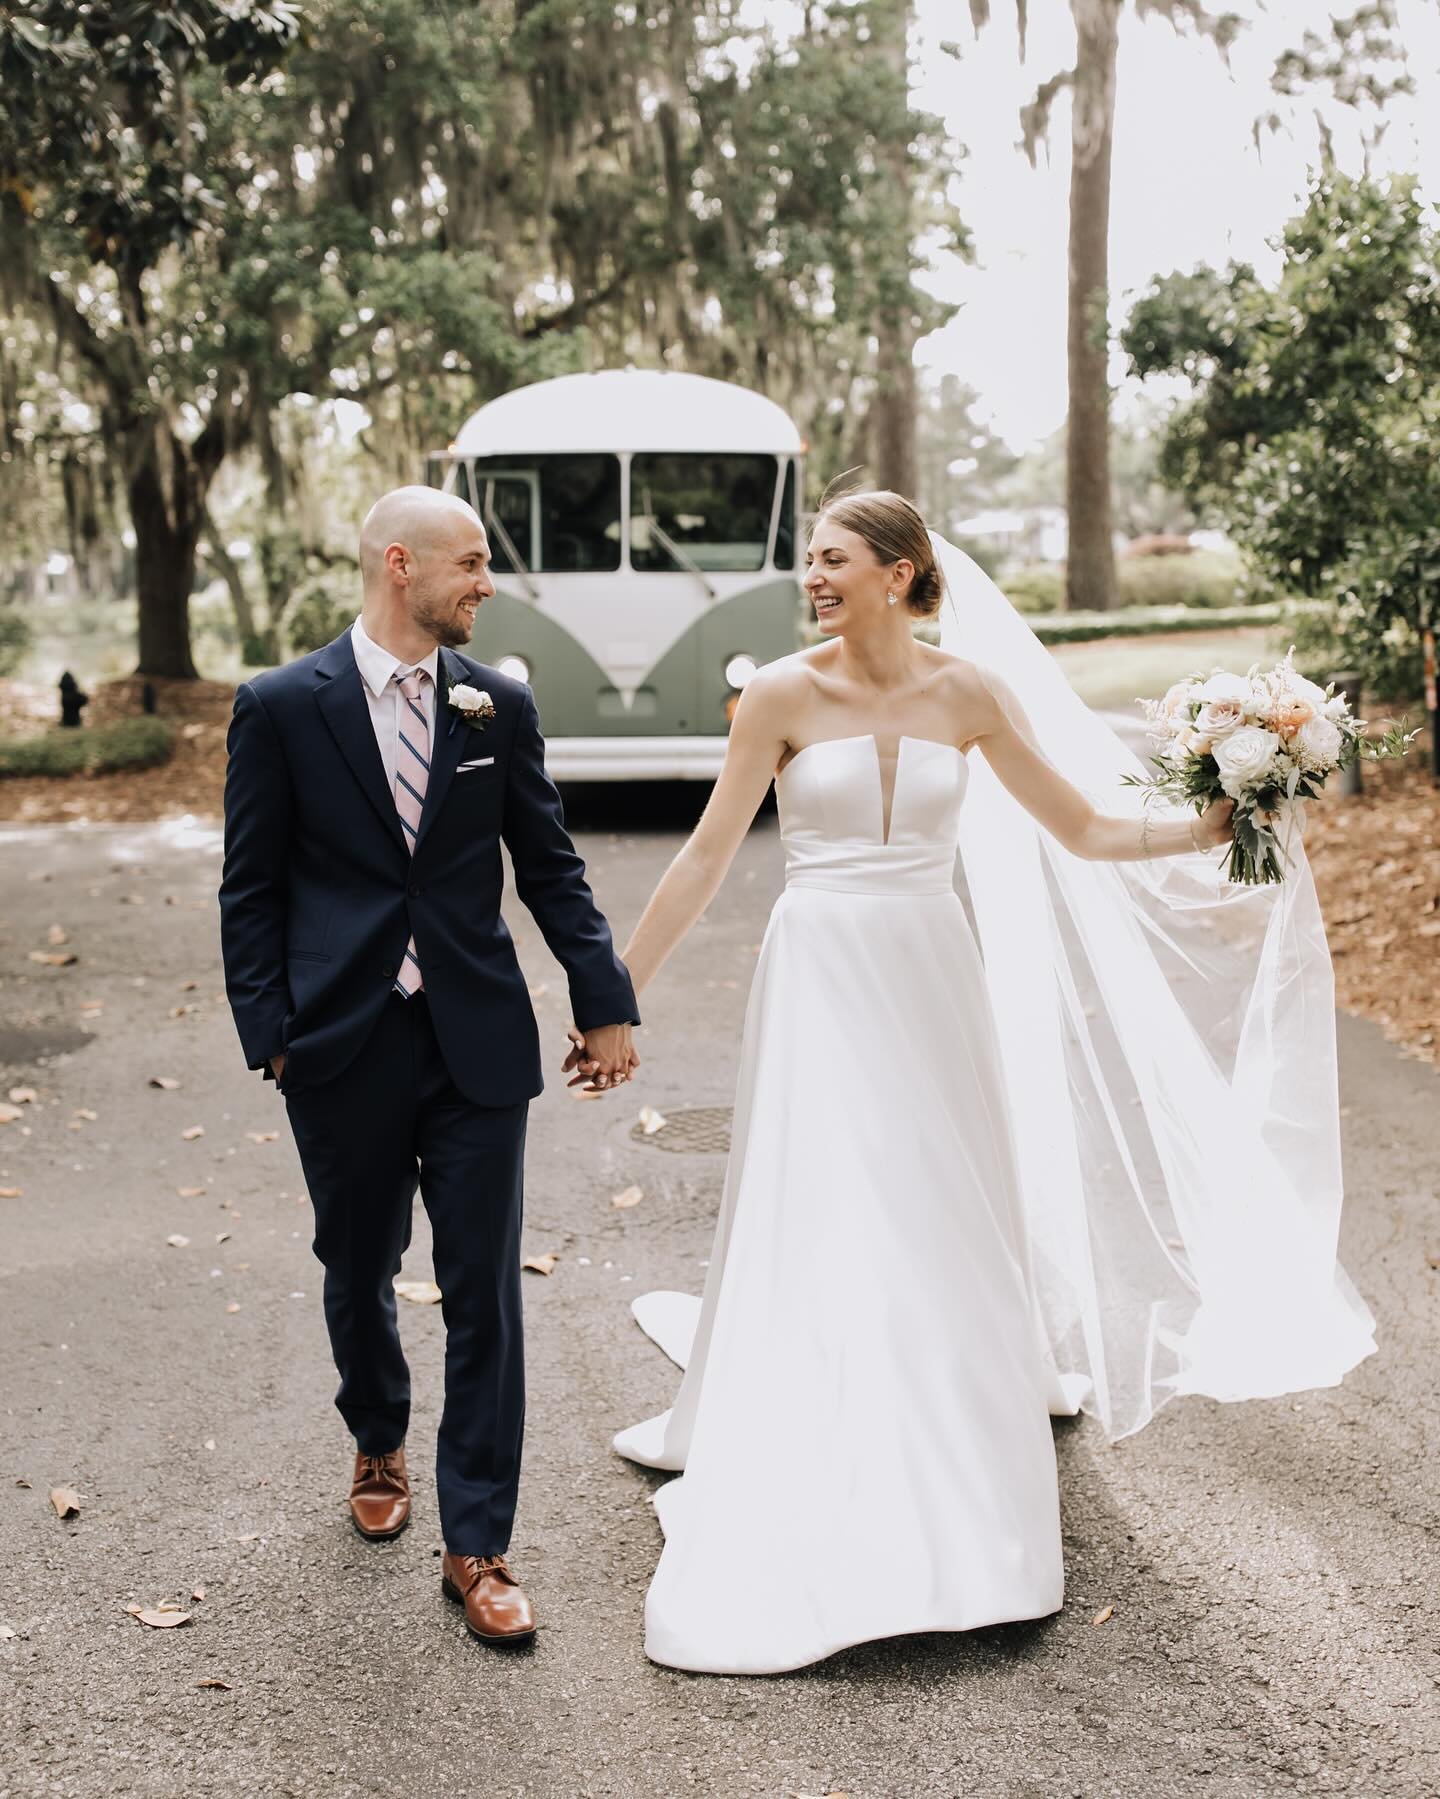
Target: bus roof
{"x": 627, "y": 409}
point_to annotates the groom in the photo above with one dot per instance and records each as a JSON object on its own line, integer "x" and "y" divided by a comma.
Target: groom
{"x": 370, "y": 974}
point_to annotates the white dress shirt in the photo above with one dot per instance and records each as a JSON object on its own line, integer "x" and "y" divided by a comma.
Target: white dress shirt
{"x": 382, "y": 692}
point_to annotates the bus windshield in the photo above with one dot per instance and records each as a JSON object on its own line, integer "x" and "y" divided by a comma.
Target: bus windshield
{"x": 560, "y": 514}
{"x": 705, "y": 511}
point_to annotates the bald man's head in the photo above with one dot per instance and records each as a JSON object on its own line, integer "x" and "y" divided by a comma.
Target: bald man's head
{"x": 425, "y": 553}
{"x": 414, "y": 517}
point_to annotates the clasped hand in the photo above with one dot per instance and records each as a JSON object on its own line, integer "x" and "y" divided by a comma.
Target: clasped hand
{"x": 601, "y": 1058}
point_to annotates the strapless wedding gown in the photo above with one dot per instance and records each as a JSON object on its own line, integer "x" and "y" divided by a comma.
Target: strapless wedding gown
{"x": 863, "y": 1422}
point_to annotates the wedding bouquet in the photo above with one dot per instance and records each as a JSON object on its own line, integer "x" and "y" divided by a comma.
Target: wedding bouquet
{"x": 1266, "y": 741}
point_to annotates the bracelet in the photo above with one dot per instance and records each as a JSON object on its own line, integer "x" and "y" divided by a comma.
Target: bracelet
{"x": 1145, "y": 834}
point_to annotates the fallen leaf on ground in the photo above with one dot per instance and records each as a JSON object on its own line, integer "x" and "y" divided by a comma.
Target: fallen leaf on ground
{"x": 8, "y": 1114}
{"x": 586, "y": 1093}
{"x": 23, "y": 1096}
{"x": 1433, "y": 1260}
{"x": 651, "y": 1121}
{"x": 57, "y": 935}
{"x": 66, "y": 1502}
{"x": 192, "y": 1132}
{"x": 540, "y": 1264}
{"x": 262, "y": 1136}
{"x": 198, "y": 1593}
{"x": 165, "y": 1082}
{"x": 251, "y": 1536}
{"x": 1103, "y": 1616}
{"x": 176, "y": 1241}
{"x": 12, "y": 1193}
{"x": 85, "y": 1113}
{"x": 234, "y": 1306}
{"x": 419, "y": 1293}
{"x": 222, "y": 1237}
{"x": 54, "y": 958}
{"x": 192, "y": 1192}
{"x": 160, "y": 1620}
{"x": 222, "y": 1686}
{"x": 188, "y": 986}
{"x": 134, "y": 1610}
{"x": 20, "y": 1481}
{"x": 6, "y": 1634}
{"x": 630, "y": 1197}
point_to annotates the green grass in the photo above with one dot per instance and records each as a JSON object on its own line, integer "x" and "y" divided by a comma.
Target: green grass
{"x": 97, "y": 750}
{"x": 1113, "y": 674}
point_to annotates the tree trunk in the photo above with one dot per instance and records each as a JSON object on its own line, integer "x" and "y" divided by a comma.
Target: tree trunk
{"x": 1090, "y": 569}
{"x": 892, "y": 416}
{"x": 166, "y": 516}
{"x": 255, "y": 650}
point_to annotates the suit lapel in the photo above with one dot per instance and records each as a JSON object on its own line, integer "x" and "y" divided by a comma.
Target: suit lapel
{"x": 447, "y": 742}
{"x": 340, "y": 695}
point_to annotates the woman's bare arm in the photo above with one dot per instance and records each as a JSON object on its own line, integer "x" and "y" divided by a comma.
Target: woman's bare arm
{"x": 757, "y": 742}
{"x": 1010, "y": 748}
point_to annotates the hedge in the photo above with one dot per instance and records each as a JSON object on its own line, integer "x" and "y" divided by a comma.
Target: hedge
{"x": 1148, "y": 621}
{"x": 90, "y": 750}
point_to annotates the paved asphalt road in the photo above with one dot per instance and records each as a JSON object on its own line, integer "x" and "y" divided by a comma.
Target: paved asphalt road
{"x": 1272, "y": 1567}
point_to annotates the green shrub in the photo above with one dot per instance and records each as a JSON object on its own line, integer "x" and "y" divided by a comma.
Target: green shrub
{"x": 1149, "y": 621}
{"x": 323, "y": 606}
{"x": 1208, "y": 579}
{"x": 97, "y": 750}
{"x": 1038, "y": 588}
{"x": 15, "y": 639}
{"x": 1330, "y": 640}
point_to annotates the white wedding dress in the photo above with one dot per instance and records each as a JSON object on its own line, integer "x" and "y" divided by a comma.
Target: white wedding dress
{"x": 863, "y": 1423}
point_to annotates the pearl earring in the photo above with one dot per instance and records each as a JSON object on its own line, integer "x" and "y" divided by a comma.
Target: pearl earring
{"x": 891, "y": 599}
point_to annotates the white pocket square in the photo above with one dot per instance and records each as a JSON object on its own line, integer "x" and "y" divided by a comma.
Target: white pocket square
{"x": 481, "y": 762}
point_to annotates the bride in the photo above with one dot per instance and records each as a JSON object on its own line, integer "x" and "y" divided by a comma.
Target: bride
{"x": 968, "y": 1186}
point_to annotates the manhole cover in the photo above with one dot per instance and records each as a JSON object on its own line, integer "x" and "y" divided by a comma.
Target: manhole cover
{"x": 698, "y": 1131}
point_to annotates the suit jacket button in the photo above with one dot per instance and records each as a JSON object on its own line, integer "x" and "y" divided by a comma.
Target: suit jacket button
{"x": 387, "y": 972}
{"x": 416, "y": 890}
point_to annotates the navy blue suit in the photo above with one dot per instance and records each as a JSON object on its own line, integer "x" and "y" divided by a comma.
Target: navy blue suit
{"x": 318, "y": 899}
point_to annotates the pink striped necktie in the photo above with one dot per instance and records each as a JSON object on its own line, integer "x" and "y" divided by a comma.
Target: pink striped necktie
{"x": 412, "y": 773}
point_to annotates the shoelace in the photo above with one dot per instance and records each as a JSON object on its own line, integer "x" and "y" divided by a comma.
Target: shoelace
{"x": 487, "y": 1564}
{"x": 382, "y": 1469}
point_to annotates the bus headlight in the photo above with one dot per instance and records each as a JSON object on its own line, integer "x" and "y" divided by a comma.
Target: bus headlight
{"x": 739, "y": 669}
{"x": 516, "y": 667}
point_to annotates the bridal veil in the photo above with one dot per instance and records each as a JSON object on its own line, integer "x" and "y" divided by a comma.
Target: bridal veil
{"x": 1168, "y": 1046}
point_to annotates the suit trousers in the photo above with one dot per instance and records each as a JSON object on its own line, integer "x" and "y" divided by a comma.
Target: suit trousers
{"x": 395, "y": 1120}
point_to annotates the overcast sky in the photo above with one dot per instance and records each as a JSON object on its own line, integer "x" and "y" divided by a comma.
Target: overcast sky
{"x": 1188, "y": 187}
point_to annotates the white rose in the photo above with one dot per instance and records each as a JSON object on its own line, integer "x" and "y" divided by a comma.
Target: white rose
{"x": 1337, "y": 708}
{"x": 1221, "y": 686}
{"x": 1244, "y": 757}
{"x": 468, "y": 699}
{"x": 1318, "y": 743}
{"x": 1178, "y": 697}
{"x": 1299, "y": 687}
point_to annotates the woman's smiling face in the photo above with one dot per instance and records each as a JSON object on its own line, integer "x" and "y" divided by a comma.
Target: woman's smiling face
{"x": 844, "y": 581}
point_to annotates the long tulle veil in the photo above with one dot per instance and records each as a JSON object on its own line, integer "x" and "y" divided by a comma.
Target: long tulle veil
{"x": 1168, "y": 1042}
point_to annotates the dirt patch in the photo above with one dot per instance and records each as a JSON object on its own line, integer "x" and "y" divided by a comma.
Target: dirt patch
{"x": 192, "y": 781}
{"x": 1377, "y": 866}
{"x": 1376, "y": 857}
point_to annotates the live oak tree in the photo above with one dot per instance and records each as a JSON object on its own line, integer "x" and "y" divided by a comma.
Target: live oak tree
{"x": 104, "y": 195}
{"x": 225, "y": 212}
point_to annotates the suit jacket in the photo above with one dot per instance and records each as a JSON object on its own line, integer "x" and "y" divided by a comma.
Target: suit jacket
{"x": 320, "y": 893}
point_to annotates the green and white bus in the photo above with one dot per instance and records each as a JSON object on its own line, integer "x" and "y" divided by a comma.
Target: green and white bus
{"x": 644, "y": 528}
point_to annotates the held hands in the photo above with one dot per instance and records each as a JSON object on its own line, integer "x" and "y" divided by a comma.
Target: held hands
{"x": 604, "y": 1056}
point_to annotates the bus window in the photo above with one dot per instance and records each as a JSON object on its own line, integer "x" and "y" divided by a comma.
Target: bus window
{"x": 578, "y": 503}
{"x": 785, "y": 527}
{"x": 707, "y": 511}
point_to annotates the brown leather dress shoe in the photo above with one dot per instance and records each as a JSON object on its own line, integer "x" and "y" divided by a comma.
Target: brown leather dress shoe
{"x": 496, "y": 1609}
{"x": 380, "y": 1495}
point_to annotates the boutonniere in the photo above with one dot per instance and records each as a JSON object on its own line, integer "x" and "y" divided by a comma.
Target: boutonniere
{"x": 472, "y": 704}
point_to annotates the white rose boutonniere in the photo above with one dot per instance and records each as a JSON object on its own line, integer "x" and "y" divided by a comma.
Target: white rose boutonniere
{"x": 472, "y": 704}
